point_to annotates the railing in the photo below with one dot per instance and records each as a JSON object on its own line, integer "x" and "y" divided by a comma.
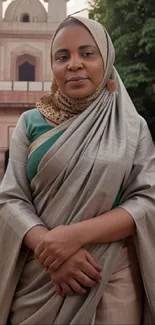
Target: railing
{"x": 25, "y": 86}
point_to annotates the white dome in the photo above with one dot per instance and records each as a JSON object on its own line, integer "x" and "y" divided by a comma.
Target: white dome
{"x": 26, "y": 10}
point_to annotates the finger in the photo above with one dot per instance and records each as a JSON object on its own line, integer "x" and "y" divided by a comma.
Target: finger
{"x": 66, "y": 289}
{"x": 91, "y": 272}
{"x": 55, "y": 265}
{"x": 39, "y": 249}
{"x": 43, "y": 256}
{"x": 47, "y": 263}
{"x": 76, "y": 286}
{"x": 59, "y": 290}
{"x": 92, "y": 261}
{"x": 85, "y": 280}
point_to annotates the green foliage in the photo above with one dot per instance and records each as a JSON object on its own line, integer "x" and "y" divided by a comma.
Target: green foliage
{"x": 131, "y": 25}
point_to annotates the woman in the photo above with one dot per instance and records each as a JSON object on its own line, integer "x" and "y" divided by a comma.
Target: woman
{"x": 79, "y": 186}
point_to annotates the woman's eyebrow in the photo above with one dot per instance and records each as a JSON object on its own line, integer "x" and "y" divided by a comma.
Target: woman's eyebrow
{"x": 82, "y": 47}
{"x": 60, "y": 51}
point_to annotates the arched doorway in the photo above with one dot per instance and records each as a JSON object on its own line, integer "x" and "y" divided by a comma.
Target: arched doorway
{"x": 26, "y": 53}
{"x": 25, "y": 18}
{"x": 26, "y": 72}
{"x": 26, "y": 68}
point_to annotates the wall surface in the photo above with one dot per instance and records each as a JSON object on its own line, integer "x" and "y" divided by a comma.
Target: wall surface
{"x": 19, "y": 43}
{"x": 8, "y": 120}
{"x": 15, "y": 98}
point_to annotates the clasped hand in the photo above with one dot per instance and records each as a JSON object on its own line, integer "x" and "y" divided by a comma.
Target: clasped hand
{"x": 71, "y": 267}
{"x": 56, "y": 246}
{"x": 79, "y": 273}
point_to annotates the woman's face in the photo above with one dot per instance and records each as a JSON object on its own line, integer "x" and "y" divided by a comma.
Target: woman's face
{"x": 76, "y": 61}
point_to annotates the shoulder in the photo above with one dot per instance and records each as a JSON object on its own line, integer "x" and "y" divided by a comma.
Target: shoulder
{"x": 25, "y": 122}
{"x": 145, "y": 149}
{"x": 143, "y": 123}
{"x": 144, "y": 131}
{"x": 32, "y": 119}
{"x": 30, "y": 115}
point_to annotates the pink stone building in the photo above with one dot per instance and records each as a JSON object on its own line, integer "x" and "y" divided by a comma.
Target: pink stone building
{"x": 25, "y": 74}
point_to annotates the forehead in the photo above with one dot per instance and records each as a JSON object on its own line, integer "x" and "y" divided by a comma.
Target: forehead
{"x": 71, "y": 37}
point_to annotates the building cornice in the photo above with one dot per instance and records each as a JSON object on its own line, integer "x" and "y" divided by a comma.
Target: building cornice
{"x": 28, "y": 27}
{"x": 19, "y": 35}
{"x": 24, "y": 31}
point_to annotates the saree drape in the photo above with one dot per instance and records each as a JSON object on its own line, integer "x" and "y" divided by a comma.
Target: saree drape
{"x": 105, "y": 147}
{"x": 99, "y": 150}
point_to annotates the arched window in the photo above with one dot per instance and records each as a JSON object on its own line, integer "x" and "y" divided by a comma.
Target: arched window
{"x": 26, "y": 72}
{"x": 25, "y": 18}
{"x": 27, "y": 67}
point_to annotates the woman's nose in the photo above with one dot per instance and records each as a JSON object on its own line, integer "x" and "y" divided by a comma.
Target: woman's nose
{"x": 75, "y": 63}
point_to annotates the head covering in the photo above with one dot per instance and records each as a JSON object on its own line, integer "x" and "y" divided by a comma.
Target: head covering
{"x": 57, "y": 106}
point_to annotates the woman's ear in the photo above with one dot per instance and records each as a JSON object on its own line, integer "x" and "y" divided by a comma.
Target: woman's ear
{"x": 111, "y": 85}
{"x": 54, "y": 86}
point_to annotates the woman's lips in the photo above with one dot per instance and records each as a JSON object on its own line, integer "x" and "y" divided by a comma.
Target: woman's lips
{"x": 76, "y": 79}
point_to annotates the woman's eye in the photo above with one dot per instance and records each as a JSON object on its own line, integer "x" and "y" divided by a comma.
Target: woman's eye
{"x": 62, "y": 58}
{"x": 87, "y": 54}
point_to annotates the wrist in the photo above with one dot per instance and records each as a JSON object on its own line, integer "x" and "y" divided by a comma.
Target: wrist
{"x": 33, "y": 236}
{"x": 78, "y": 233}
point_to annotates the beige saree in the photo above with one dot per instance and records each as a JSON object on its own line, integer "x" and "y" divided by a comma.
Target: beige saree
{"x": 106, "y": 146}
{"x": 85, "y": 158}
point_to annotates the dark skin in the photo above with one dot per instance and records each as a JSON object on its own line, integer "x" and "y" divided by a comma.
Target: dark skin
{"x": 75, "y": 54}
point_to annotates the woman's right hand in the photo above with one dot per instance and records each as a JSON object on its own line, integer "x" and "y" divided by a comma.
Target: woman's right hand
{"x": 80, "y": 270}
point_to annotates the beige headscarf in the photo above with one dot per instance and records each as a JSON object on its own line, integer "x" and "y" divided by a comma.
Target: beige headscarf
{"x": 57, "y": 106}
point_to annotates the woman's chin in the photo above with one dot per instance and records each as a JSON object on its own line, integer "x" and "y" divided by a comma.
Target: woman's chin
{"x": 79, "y": 94}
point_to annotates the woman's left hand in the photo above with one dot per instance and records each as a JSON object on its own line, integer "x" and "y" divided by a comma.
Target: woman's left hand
{"x": 56, "y": 246}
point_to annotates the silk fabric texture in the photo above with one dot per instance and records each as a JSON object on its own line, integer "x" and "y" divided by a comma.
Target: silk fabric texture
{"x": 107, "y": 144}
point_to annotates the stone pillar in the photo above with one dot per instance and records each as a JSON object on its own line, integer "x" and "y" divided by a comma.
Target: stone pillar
{"x": 57, "y": 10}
{"x": 1, "y": 10}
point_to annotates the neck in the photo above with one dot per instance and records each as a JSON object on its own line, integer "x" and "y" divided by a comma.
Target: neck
{"x": 58, "y": 107}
